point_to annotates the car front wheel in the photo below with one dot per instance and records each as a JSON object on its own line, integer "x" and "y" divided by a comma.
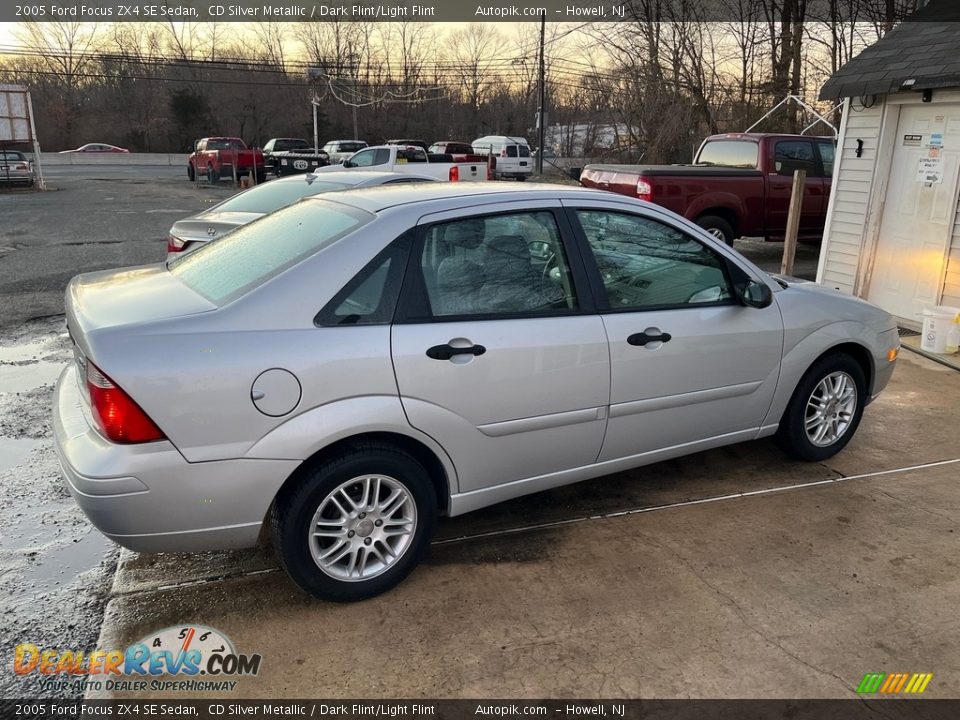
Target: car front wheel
{"x": 354, "y": 527}
{"x": 825, "y": 410}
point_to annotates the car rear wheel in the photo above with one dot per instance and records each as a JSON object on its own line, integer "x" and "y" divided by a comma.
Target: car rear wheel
{"x": 825, "y": 409}
{"x": 191, "y": 173}
{"x": 718, "y": 227}
{"x": 354, "y": 527}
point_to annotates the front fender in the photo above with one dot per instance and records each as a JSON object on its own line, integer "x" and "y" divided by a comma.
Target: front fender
{"x": 801, "y": 352}
{"x": 310, "y": 432}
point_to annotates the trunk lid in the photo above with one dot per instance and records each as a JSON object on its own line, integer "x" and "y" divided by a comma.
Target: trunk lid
{"x": 138, "y": 295}
{"x": 220, "y": 223}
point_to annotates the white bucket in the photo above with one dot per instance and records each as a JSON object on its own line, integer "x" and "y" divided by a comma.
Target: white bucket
{"x": 937, "y": 324}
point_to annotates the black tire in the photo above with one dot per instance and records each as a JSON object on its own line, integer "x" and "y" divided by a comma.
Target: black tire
{"x": 261, "y": 177}
{"x": 792, "y": 435}
{"x": 293, "y": 512}
{"x": 521, "y": 178}
{"x": 190, "y": 172}
{"x": 718, "y": 227}
{"x": 213, "y": 177}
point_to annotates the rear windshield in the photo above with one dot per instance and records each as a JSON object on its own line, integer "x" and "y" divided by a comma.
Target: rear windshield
{"x": 225, "y": 144}
{"x": 11, "y": 155}
{"x": 277, "y": 194}
{"x": 291, "y": 145}
{"x": 729, "y": 153}
{"x": 352, "y": 146}
{"x": 246, "y": 258}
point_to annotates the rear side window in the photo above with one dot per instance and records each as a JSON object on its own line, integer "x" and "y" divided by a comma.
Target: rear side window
{"x": 511, "y": 150}
{"x": 827, "y": 153}
{"x": 794, "y": 155}
{"x": 729, "y": 153}
{"x": 246, "y": 258}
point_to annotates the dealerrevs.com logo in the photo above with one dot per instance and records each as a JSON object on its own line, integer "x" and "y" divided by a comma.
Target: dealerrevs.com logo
{"x": 186, "y": 651}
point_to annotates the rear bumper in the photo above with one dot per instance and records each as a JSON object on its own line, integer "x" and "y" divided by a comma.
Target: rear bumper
{"x": 147, "y": 497}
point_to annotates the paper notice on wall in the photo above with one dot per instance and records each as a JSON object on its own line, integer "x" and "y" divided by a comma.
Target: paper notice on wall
{"x": 930, "y": 170}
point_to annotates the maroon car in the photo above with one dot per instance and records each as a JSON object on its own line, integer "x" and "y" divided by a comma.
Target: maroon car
{"x": 739, "y": 185}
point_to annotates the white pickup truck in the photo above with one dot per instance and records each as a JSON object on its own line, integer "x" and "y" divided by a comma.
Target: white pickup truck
{"x": 412, "y": 159}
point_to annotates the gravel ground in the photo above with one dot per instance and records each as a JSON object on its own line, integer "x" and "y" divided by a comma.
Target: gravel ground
{"x": 56, "y": 568}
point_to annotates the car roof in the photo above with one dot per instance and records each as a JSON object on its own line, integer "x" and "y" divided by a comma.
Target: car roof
{"x": 379, "y": 198}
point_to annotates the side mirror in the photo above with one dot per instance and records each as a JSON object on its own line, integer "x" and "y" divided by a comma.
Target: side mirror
{"x": 754, "y": 294}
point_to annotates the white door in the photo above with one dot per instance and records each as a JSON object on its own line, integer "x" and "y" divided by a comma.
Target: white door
{"x": 918, "y": 214}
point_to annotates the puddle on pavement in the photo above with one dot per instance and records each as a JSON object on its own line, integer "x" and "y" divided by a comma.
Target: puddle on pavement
{"x": 21, "y": 378}
{"x": 13, "y": 452}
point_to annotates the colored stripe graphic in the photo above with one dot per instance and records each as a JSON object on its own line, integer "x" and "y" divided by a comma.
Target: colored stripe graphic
{"x": 894, "y": 683}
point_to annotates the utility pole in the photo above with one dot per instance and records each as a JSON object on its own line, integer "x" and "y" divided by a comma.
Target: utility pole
{"x": 541, "y": 113}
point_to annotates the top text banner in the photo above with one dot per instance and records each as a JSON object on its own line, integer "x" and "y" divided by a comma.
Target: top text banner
{"x": 427, "y": 11}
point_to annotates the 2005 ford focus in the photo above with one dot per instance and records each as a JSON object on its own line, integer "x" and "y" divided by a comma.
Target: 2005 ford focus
{"x": 348, "y": 368}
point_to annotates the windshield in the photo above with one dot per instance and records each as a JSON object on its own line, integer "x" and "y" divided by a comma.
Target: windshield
{"x": 273, "y": 195}
{"x": 729, "y": 153}
{"x": 246, "y": 258}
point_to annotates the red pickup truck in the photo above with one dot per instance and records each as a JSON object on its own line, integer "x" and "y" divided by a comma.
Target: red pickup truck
{"x": 738, "y": 186}
{"x": 216, "y": 157}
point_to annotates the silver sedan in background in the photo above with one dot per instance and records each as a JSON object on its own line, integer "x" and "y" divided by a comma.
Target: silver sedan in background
{"x": 348, "y": 368}
{"x": 189, "y": 233}
{"x": 15, "y": 168}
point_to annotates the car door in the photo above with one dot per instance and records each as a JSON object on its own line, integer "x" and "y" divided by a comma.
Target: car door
{"x": 498, "y": 352}
{"x": 688, "y": 362}
{"x": 788, "y": 156}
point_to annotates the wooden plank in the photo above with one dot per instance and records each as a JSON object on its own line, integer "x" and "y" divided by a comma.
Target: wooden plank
{"x": 793, "y": 221}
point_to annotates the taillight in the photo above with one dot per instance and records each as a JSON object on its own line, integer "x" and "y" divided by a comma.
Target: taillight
{"x": 119, "y": 418}
{"x": 21, "y": 166}
{"x": 454, "y": 174}
{"x": 503, "y": 153}
{"x": 175, "y": 244}
{"x": 644, "y": 189}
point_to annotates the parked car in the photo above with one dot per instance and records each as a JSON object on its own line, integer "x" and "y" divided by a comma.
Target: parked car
{"x": 220, "y": 157}
{"x": 350, "y": 367}
{"x": 512, "y": 154}
{"x": 245, "y": 207}
{"x": 96, "y": 148}
{"x": 413, "y": 159}
{"x": 15, "y": 168}
{"x": 289, "y": 156}
{"x": 415, "y": 143}
{"x": 738, "y": 186}
{"x": 451, "y": 147}
{"x": 340, "y": 150}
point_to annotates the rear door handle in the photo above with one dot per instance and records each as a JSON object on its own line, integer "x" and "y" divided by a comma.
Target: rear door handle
{"x": 445, "y": 352}
{"x": 642, "y": 338}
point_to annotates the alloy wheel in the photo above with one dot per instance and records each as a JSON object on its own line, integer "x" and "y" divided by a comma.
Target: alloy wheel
{"x": 830, "y": 409}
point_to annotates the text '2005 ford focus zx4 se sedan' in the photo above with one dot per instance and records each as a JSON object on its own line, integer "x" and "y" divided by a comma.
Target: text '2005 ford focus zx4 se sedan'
{"x": 350, "y": 367}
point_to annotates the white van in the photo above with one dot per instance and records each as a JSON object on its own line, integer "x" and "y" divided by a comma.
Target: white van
{"x": 512, "y": 153}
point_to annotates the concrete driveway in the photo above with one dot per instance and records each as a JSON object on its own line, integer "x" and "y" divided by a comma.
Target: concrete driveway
{"x": 732, "y": 573}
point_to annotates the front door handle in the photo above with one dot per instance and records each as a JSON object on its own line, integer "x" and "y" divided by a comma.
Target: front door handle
{"x": 642, "y": 338}
{"x": 445, "y": 352}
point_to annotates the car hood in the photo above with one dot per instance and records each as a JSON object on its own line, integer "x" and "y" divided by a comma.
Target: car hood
{"x": 841, "y": 306}
{"x": 209, "y": 226}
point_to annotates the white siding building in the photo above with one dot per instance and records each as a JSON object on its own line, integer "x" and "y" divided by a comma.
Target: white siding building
{"x": 893, "y": 230}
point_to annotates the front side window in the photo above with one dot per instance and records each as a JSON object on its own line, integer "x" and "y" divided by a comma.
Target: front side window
{"x": 794, "y": 155}
{"x": 645, "y": 264}
{"x": 363, "y": 159}
{"x": 512, "y": 264}
{"x": 247, "y": 257}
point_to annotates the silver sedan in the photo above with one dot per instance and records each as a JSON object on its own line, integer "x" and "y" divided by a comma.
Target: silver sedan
{"x": 15, "y": 168}
{"x": 349, "y": 368}
{"x": 189, "y": 233}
